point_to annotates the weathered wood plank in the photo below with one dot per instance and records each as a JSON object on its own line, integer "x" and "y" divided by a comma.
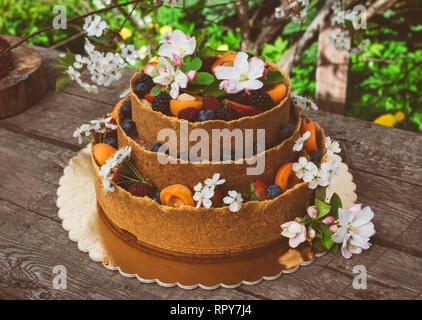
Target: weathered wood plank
{"x": 30, "y": 246}
{"x": 395, "y": 275}
{"x": 388, "y": 152}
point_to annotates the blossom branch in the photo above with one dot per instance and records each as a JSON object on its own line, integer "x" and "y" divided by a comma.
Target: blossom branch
{"x": 69, "y": 21}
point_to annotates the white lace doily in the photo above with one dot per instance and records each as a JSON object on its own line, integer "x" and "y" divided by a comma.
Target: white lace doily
{"x": 78, "y": 210}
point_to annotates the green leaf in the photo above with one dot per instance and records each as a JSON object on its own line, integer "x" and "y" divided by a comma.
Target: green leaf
{"x": 195, "y": 64}
{"x": 203, "y": 78}
{"x": 214, "y": 89}
{"x": 321, "y": 193}
{"x": 62, "y": 81}
{"x": 60, "y": 68}
{"x": 273, "y": 76}
{"x": 199, "y": 36}
{"x": 207, "y": 51}
{"x": 155, "y": 91}
{"x": 326, "y": 234}
{"x": 335, "y": 204}
{"x": 322, "y": 207}
{"x": 193, "y": 89}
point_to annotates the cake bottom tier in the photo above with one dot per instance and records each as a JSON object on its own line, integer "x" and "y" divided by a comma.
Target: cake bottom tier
{"x": 202, "y": 231}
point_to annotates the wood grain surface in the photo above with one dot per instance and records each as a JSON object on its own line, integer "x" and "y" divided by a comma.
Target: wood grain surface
{"x": 385, "y": 162}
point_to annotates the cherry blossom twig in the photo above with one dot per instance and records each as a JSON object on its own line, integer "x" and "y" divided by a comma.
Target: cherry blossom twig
{"x": 69, "y": 21}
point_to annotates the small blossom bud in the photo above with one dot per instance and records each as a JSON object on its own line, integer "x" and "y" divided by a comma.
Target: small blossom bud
{"x": 312, "y": 212}
{"x": 328, "y": 220}
{"x": 297, "y": 219}
{"x": 192, "y": 75}
{"x": 178, "y": 61}
{"x": 311, "y": 233}
{"x": 333, "y": 228}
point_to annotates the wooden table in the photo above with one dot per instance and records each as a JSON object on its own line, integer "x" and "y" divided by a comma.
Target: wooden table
{"x": 386, "y": 164}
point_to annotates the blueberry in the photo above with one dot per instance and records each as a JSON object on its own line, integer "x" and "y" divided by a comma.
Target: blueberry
{"x": 315, "y": 156}
{"x": 155, "y": 147}
{"x": 112, "y": 141}
{"x": 126, "y": 109}
{"x": 156, "y": 197}
{"x": 129, "y": 127}
{"x": 140, "y": 89}
{"x": 205, "y": 115}
{"x": 285, "y": 131}
{"x": 274, "y": 191}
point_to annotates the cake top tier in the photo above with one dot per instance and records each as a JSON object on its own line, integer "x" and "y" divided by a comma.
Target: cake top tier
{"x": 197, "y": 83}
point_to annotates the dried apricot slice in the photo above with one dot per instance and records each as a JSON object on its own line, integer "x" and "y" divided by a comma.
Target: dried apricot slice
{"x": 116, "y": 109}
{"x": 176, "y": 195}
{"x": 177, "y": 105}
{"x": 283, "y": 175}
{"x": 310, "y": 143}
{"x": 277, "y": 92}
{"x": 102, "y": 152}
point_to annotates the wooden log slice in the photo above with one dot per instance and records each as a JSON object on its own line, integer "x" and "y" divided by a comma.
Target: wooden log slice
{"x": 25, "y": 84}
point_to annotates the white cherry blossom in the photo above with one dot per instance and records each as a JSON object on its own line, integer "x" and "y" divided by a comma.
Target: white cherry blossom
{"x": 215, "y": 181}
{"x": 332, "y": 146}
{"x": 298, "y": 146}
{"x": 95, "y": 26}
{"x": 203, "y": 197}
{"x": 331, "y": 169}
{"x": 179, "y": 44}
{"x": 167, "y": 76}
{"x": 234, "y": 199}
{"x": 243, "y": 75}
{"x": 355, "y": 230}
{"x": 295, "y": 231}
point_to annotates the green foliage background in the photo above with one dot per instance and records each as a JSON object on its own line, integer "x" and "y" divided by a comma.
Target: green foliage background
{"x": 386, "y": 78}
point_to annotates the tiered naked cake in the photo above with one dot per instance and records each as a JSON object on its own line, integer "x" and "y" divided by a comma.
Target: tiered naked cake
{"x": 173, "y": 199}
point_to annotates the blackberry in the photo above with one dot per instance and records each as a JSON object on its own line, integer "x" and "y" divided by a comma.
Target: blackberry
{"x": 261, "y": 100}
{"x": 315, "y": 156}
{"x": 143, "y": 85}
{"x": 140, "y": 189}
{"x": 129, "y": 127}
{"x": 241, "y": 97}
{"x": 226, "y": 114}
{"x": 190, "y": 114}
{"x": 126, "y": 109}
{"x": 286, "y": 130}
{"x": 161, "y": 103}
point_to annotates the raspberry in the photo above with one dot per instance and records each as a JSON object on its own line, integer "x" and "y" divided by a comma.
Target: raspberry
{"x": 143, "y": 85}
{"x": 226, "y": 114}
{"x": 190, "y": 114}
{"x": 140, "y": 189}
{"x": 161, "y": 103}
{"x": 261, "y": 100}
{"x": 211, "y": 103}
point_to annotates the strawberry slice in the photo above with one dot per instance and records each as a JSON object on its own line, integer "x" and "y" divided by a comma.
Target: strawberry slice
{"x": 149, "y": 98}
{"x": 242, "y": 109}
{"x": 260, "y": 190}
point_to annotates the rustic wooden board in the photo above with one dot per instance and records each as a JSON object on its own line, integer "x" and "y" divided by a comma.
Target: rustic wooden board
{"x": 25, "y": 84}
{"x": 385, "y": 163}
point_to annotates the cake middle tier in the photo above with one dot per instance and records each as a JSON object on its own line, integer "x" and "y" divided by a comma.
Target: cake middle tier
{"x": 236, "y": 173}
{"x": 149, "y": 122}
